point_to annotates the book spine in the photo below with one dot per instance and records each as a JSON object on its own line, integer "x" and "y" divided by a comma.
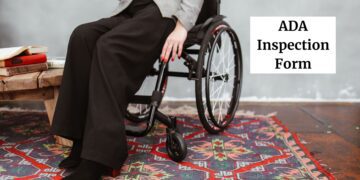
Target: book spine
{"x": 24, "y": 60}
{"x": 10, "y": 71}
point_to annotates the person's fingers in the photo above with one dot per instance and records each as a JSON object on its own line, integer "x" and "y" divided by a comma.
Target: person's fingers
{"x": 165, "y": 47}
{"x": 168, "y": 51}
{"x": 174, "y": 50}
{"x": 181, "y": 46}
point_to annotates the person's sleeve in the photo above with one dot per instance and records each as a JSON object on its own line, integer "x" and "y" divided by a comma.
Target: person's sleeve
{"x": 189, "y": 12}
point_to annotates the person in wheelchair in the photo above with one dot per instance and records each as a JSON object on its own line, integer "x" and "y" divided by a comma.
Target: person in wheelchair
{"x": 109, "y": 59}
{"x": 106, "y": 63}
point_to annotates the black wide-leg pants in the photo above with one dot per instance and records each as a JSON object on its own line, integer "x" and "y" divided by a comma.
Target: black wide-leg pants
{"x": 107, "y": 61}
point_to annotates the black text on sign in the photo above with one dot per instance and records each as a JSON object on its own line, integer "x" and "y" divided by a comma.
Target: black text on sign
{"x": 293, "y": 45}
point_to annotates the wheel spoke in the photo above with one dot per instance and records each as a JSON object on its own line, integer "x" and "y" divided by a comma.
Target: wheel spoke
{"x": 222, "y": 67}
{"x": 220, "y": 90}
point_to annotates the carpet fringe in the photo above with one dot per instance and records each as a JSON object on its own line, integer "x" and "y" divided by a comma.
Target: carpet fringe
{"x": 193, "y": 110}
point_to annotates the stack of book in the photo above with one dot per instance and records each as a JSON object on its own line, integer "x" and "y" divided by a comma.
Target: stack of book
{"x": 56, "y": 63}
{"x": 21, "y": 60}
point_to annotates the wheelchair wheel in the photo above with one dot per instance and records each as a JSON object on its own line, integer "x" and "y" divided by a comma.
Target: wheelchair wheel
{"x": 176, "y": 146}
{"x": 219, "y": 77}
{"x": 140, "y": 112}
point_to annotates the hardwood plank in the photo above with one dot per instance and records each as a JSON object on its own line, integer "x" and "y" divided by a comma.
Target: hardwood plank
{"x": 343, "y": 120}
{"x": 290, "y": 114}
{"x": 33, "y": 94}
{"x": 2, "y": 86}
{"x": 50, "y": 104}
{"x": 341, "y": 157}
{"x": 51, "y": 77}
{"x": 20, "y": 82}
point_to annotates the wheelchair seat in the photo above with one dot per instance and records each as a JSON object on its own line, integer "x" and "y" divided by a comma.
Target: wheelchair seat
{"x": 209, "y": 14}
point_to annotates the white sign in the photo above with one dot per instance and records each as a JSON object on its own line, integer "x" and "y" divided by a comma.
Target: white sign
{"x": 293, "y": 45}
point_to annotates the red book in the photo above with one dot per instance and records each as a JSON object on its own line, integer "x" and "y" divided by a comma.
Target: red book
{"x": 23, "y": 60}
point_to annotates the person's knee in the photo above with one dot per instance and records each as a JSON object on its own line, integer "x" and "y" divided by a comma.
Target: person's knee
{"x": 103, "y": 44}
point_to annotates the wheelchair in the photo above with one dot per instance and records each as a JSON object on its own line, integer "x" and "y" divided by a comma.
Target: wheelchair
{"x": 212, "y": 55}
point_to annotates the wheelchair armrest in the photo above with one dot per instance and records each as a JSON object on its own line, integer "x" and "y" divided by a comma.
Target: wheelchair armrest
{"x": 211, "y": 20}
{"x": 197, "y": 33}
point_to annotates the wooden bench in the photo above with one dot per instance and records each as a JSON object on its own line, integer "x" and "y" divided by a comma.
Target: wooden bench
{"x": 35, "y": 86}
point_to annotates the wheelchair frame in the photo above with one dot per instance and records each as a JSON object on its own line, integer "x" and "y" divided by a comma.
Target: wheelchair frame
{"x": 155, "y": 99}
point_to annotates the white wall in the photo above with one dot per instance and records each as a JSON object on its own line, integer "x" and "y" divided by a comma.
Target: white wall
{"x": 50, "y": 23}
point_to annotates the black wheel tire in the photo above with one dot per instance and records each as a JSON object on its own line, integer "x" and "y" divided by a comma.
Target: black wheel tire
{"x": 209, "y": 124}
{"x": 176, "y": 147}
{"x": 139, "y": 118}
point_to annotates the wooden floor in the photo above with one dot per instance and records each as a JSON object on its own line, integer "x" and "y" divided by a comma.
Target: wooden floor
{"x": 331, "y": 131}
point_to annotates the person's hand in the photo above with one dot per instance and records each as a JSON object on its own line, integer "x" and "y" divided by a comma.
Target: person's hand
{"x": 174, "y": 43}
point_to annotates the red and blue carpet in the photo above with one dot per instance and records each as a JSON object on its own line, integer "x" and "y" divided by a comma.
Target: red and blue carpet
{"x": 253, "y": 147}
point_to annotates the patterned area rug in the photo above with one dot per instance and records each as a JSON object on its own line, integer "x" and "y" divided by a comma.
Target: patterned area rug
{"x": 253, "y": 147}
